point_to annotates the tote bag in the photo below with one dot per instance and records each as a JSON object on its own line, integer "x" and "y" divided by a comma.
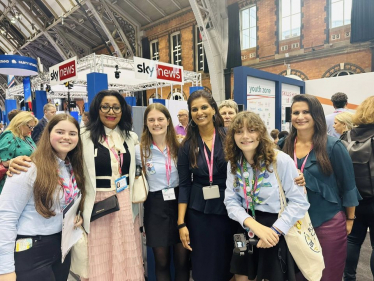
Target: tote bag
{"x": 140, "y": 189}
{"x": 302, "y": 241}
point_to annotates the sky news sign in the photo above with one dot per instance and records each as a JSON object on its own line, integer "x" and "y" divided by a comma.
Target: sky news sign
{"x": 63, "y": 72}
{"x": 151, "y": 70}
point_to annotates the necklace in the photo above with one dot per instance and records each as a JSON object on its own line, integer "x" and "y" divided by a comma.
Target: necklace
{"x": 29, "y": 143}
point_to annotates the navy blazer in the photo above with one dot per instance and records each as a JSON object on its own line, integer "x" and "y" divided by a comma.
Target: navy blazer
{"x": 38, "y": 130}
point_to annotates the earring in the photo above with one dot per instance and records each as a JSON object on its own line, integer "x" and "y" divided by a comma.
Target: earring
{"x": 192, "y": 123}
{"x": 214, "y": 118}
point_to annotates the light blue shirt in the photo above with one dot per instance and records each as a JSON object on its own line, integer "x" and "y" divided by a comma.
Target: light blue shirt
{"x": 330, "y": 122}
{"x": 156, "y": 170}
{"x": 297, "y": 204}
{"x": 18, "y": 215}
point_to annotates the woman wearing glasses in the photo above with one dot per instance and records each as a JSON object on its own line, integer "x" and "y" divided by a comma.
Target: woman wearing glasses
{"x": 16, "y": 141}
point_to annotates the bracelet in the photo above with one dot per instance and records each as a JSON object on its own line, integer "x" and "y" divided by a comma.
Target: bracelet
{"x": 276, "y": 231}
{"x": 181, "y": 225}
{"x": 348, "y": 219}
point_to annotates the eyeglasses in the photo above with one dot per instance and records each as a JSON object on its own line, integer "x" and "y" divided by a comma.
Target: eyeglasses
{"x": 181, "y": 115}
{"x": 107, "y": 108}
{"x": 30, "y": 127}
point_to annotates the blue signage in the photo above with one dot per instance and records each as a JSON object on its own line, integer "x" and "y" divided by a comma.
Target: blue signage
{"x": 18, "y": 65}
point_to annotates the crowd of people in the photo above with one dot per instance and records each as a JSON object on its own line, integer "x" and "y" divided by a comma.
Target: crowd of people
{"x": 213, "y": 176}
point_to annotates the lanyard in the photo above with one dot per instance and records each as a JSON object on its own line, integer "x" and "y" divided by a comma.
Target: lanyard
{"x": 30, "y": 144}
{"x": 245, "y": 176}
{"x": 116, "y": 155}
{"x": 210, "y": 164}
{"x": 167, "y": 163}
{"x": 295, "y": 158}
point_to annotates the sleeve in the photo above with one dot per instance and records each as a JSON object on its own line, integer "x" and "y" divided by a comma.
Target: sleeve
{"x": 35, "y": 134}
{"x": 7, "y": 146}
{"x": 341, "y": 161}
{"x": 184, "y": 174}
{"x": 297, "y": 203}
{"x": 16, "y": 193}
{"x": 233, "y": 201}
{"x": 137, "y": 155}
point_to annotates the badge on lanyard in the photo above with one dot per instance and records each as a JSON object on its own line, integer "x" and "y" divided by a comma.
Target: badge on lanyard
{"x": 121, "y": 184}
{"x": 168, "y": 194}
{"x": 212, "y": 191}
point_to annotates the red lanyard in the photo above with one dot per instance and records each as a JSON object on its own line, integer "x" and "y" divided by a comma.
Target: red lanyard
{"x": 210, "y": 164}
{"x": 120, "y": 161}
{"x": 167, "y": 163}
{"x": 295, "y": 158}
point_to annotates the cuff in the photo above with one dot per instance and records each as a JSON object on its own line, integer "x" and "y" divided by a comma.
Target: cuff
{"x": 241, "y": 217}
{"x": 7, "y": 263}
{"x": 282, "y": 226}
{"x": 351, "y": 197}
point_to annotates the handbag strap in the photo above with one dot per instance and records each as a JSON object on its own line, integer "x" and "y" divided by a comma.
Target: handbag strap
{"x": 282, "y": 196}
{"x": 142, "y": 159}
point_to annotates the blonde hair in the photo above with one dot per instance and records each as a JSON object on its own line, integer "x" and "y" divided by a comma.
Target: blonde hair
{"x": 346, "y": 119}
{"x": 19, "y": 120}
{"x": 229, "y": 103}
{"x": 365, "y": 112}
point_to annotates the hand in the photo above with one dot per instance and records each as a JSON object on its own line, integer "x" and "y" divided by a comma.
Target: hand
{"x": 184, "y": 235}
{"x": 8, "y": 277}
{"x": 263, "y": 245}
{"x": 78, "y": 221}
{"x": 300, "y": 180}
{"x": 18, "y": 165}
{"x": 266, "y": 234}
{"x": 349, "y": 226}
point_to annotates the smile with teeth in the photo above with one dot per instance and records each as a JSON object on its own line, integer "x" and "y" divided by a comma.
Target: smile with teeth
{"x": 111, "y": 118}
{"x": 201, "y": 118}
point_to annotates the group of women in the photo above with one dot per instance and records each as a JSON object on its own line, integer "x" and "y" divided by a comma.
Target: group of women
{"x": 217, "y": 182}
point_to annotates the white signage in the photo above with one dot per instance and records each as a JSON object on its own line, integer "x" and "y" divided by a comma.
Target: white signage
{"x": 288, "y": 92}
{"x": 63, "y": 72}
{"x": 261, "y": 100}
{"x": 152, "y": 70}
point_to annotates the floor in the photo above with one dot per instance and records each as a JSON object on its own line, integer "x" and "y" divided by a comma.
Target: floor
{"x": 363, "y": 269}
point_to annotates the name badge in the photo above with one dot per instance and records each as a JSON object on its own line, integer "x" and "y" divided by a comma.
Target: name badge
{"x": 121, "y": 184}
{"x": 211, "y": 192}
{"x": 168, "y": 194}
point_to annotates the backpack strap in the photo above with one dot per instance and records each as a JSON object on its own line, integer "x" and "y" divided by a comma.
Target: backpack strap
{"x": 349, "y": 139}
{"x": 350, "y": 142}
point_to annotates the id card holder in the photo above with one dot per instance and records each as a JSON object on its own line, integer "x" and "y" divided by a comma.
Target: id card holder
{"x": 23, "y": 244}
{"x": 121, "y": 184}
{"x": 211, "y": 192}
{"x": 168, "y": 194}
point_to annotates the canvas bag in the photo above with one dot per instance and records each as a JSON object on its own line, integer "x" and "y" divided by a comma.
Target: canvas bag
{"x": 140, "y": 188}
{"x": 302, "y": 241}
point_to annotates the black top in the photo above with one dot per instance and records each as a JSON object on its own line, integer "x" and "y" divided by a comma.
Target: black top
{"x": 103, "y": 167}
{"x": 190, "y": 188}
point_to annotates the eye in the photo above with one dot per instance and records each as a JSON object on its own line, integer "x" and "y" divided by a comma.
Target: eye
{"x": 296, "y": 113}
{"x": 161, "y": 119}
{"x": 252, "y": 130}
{"x": 151, "y": 120}
{"x": 73, "y": 134}
{"x": 194, "y": 109}
{"x": 116, "y": 107}
{"x": 306, "y": 112}
{"x": 105, "y": 106}
{"x": 204, "y": 107}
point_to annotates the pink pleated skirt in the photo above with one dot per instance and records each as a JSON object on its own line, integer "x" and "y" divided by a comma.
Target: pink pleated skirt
{"x": 114, "y": 245}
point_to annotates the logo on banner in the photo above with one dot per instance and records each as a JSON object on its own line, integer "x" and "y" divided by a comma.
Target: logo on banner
{"x": 63, "y": 71}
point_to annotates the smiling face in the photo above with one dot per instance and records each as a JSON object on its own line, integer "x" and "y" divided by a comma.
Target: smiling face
{"x": 339, "y": 126}
{"x": 64, "y": 138}
{"x": 201, "y": 112}
{"x": 247, "y": 140}
{"x": 157, "y": 123}
{"x": 110, "y": 119}
{"x": 301, "y": 118}
{"x": 228, "y": 114}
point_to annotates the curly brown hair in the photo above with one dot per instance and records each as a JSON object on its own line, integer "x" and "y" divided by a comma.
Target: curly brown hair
{"x": 265, "y": 149}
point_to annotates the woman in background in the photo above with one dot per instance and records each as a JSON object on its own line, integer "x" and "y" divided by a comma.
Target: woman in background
{"x": 343, "y": 123}
{"x": 228, "y": 109}
{"x": 332, "y": 194}
{"x": 157, "y": 154}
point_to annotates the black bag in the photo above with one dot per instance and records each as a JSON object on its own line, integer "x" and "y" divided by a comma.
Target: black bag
{"x": 362, "y": 156}
{"x": 105, "y": 207}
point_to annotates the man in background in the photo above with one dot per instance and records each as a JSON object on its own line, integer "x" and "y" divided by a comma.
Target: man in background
{"x": 49, "y": 111}
{"x": 13, "y": 113}
{"x": 339, "y": 101}
{"x": 85, "y": 118}
{"x": 181, "y": 128}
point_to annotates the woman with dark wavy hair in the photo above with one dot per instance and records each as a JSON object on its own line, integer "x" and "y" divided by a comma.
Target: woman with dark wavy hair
{"x": 329, "y": 177}
{"x": 204, "y": 226}
{"x": 252, "y": 199}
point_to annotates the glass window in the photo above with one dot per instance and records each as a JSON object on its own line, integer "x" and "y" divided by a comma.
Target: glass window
{"x": 199, "y": 51}
{"x": 340, "y": 12}
{"x": 154, "y": 50}
{"x": 290, "y": 18}
{"x": 176, "y": 49}
{"x": 248, "y": 27}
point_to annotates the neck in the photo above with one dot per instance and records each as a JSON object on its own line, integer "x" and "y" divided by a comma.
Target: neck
{"x": 249, "y": 156}
{"x": 207, "y": 130}
{"x": 160, "y": 141}
{"x": 62, "y": 156}
{"x": 305, "y": 136}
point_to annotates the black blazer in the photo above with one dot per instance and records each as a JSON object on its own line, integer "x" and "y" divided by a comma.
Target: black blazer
{"x": 38, "y": 130}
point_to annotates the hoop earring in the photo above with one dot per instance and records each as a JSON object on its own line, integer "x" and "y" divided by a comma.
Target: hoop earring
{"x": 192, "y": 123}
{"x": 214, "y": 118}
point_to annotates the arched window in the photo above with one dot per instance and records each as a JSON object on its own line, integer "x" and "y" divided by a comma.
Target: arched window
{"x": 295, "y": 72}
{"x": 343, "y": 69}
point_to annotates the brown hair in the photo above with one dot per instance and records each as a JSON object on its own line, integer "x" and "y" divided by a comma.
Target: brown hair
{"x": 365, "y": 112}
{"x": 319, "y": 138}
{"x": 47, "y": 177}
{"x": 265, "y": 149}
{"x": 274, "y": 133}
{"x": 146, "y": 138}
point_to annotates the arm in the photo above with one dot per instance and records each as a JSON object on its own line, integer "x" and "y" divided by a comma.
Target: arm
{"x": 12, "y": 204}
{"x": 350, "y": 212}
{"x": 184, "y": 234}
{"x": 18, "y": 165}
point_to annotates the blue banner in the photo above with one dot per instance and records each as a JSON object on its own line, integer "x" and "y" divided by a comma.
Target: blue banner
{"x": 18, "y": 65}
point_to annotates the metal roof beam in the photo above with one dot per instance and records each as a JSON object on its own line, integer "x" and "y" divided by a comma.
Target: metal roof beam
{"x": 138, "y": 11}
{"x": 157, "y": 8}
{"x": 93, "y": 32}
{"x": 118, "y": 10}
{"x": 64, "y": 42}
{"x": 176, "y": 4}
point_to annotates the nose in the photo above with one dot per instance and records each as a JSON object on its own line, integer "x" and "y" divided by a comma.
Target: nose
{"x": 245, "y": 133}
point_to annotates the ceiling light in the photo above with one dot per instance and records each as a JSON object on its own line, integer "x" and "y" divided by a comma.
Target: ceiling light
{"x": 13, "y": 20}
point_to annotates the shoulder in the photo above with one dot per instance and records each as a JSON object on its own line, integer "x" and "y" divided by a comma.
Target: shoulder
{"x": 6, "y": 135}
{"x": 283, "y": 158}
{"x": 133, "y": 137}
{"x": 24, "y": 177}
{"x": 331, "y": 143}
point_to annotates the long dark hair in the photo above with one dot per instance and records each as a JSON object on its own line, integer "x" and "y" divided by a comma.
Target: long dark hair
{"x": 47, "y": 177}
{"x": 320, "y": 133}
{"x": 192, "y": 128}
{"x": 96, "y": 127}
{"x": 171, "y": 137}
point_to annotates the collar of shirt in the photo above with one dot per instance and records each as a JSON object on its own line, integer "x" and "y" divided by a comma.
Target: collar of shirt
{"x": 115, "y": 139}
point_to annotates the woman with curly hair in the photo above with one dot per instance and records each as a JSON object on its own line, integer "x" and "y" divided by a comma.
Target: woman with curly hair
{"x": 252, "y": 199}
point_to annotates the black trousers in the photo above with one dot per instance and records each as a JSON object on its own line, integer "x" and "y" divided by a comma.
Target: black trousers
{"x": 42, "y": 262}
